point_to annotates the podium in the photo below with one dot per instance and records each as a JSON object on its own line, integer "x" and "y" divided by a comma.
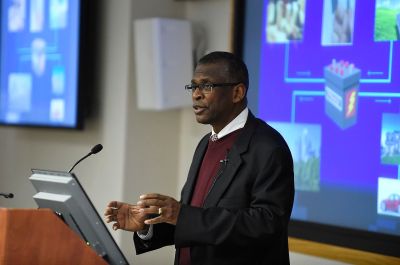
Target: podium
{"x": 30, "y": 236}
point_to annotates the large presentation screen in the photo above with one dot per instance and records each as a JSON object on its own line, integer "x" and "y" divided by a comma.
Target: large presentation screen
{"x": 39, "y": 62}
{"x": 326, "y": 75}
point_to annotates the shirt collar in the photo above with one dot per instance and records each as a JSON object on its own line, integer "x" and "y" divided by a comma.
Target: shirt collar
{"x": 235, "y": 124}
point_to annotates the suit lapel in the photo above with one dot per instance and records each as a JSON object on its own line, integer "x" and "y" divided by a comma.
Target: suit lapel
{"x": 223, "y": 181}
{"x": 233, "y": 164}
{"x": 194, "y": 169}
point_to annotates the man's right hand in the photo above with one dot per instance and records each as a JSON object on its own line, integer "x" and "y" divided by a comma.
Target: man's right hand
{"x": 125, "y": 216}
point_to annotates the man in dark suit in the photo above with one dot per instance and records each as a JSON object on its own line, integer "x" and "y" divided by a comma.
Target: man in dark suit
{"x": 236, "y": 203}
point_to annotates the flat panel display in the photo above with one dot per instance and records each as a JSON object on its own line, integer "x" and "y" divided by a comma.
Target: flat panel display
{"x": 62, "y": 192}
{"x": 326, "y": 75}
{"x": 39, "y": 62}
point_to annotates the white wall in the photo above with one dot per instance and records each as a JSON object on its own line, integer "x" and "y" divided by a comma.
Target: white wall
{"x": 213, "y": 17}
{"x": 153, "y": 138}
{"x": 144, "y": 151}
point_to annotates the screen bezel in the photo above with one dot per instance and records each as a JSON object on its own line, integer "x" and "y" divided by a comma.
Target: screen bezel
{"x": 385, "y": 244}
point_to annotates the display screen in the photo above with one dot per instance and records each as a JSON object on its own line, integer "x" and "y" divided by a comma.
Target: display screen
{"x": 326, "y": 75}
{"x": 39, "y": 62}
{"x": 63, "y": 193}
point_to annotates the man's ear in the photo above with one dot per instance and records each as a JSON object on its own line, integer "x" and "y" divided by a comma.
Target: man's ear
{"x": 239, "y": 93}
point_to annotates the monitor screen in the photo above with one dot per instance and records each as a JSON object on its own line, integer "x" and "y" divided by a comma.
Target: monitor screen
{"x": 325, "y": 74}
{"x": 62, "y": 192}
{"x": 40, "y": 62}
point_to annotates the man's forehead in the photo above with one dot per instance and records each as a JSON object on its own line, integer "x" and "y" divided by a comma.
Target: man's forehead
{"x": 204, "y": 71}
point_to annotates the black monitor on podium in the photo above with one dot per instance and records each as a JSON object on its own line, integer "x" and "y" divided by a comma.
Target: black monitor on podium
{"x": 62, "y": 192}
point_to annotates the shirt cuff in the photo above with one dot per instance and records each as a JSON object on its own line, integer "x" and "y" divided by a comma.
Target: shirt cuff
{"x": 146, "y": 236}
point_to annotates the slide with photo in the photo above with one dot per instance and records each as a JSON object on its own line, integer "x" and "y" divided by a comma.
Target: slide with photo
{"x": 329, "y": 82}
{"x": 39, "y": 62}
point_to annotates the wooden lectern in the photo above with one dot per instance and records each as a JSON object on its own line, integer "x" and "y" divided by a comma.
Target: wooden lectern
{"x": 29, "y": 236}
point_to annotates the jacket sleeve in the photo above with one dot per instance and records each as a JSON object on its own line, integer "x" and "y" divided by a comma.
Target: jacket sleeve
{"x": 163, "y": 235}
{"x": 266, "y": 215}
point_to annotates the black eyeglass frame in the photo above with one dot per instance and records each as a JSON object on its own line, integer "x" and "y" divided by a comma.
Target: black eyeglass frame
{"x": 208, "y": 87}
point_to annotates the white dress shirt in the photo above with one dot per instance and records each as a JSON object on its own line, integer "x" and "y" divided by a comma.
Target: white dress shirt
{"x": 235, "y": 124}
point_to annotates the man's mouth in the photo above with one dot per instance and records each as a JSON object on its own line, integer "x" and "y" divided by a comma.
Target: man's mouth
{"x": 198, "y": 109}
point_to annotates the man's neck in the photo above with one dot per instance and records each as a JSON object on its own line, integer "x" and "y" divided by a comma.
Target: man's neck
{"x": 237, "y": 123}
{"x": 235, "y": 113}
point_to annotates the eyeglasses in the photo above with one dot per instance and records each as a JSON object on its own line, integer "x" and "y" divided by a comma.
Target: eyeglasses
{"x": 207, "y": 88}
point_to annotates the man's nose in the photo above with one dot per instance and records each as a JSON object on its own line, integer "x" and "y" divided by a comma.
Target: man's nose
{"x": 196, "y": 94}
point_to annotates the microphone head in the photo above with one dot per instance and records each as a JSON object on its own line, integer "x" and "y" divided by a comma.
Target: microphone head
{"x": 97, "y": 148}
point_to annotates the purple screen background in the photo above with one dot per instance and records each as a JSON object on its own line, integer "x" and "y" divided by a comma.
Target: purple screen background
{"x": 291, "y": 90}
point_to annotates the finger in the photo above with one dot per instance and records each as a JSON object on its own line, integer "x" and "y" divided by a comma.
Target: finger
{"x": 150, "y": 210}
{"x": 109, "y": 219}
{"x": 115, "y": 226}
{"x": 157, "y": 220}
{"x": 151, "y": 202}
{"x": 114, "y": 204}
{"x": 153, "y": 196}
{"x": 166, "y": 213}
{"x": 109, "y": 211}
{"x": 136, "y": 206}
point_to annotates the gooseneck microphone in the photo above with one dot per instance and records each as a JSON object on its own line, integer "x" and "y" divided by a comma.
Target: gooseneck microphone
{"x": 7, "y": 195}
{"x": 97, "y": 148}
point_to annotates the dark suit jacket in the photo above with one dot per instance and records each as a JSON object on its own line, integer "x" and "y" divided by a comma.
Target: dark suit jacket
{"x": 245, "y": 216}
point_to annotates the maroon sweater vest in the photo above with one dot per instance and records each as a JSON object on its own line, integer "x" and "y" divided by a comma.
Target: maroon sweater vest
{"x": 212, "y": 161}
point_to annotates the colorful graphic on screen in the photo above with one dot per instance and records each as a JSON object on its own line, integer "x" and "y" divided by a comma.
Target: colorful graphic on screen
{"x": 39, "y": 62}
{"x": 341, "y": 81}
{"x": 285, "y": 21}
{"x": 338, "y": 22}
{"x": 388, "y": 197}
{"x": 387, "y": 20}
{"x": 390, "y": 139}
{"x": 304, "y": 141}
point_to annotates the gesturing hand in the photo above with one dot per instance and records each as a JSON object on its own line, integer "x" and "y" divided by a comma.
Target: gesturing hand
{"x": 168, "y": 208}
{"x": 125, "y": 216}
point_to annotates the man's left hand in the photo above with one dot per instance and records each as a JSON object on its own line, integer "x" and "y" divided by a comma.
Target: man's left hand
{"x": 167, "y": 207}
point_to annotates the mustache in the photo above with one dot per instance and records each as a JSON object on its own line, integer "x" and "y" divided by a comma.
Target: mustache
{"x": 199, "y": 106}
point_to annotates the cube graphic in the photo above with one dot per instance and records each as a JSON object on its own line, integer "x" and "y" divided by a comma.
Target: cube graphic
{"x": 342, "y": 80}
